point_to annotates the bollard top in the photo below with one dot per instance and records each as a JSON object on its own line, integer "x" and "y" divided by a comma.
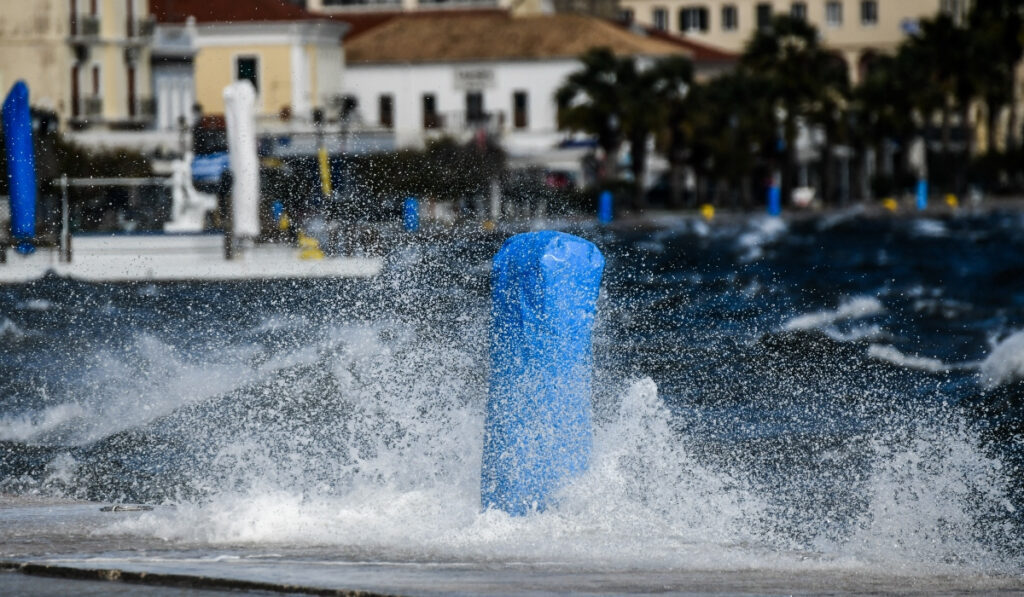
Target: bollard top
{"x": 547, "y": 276}
{"x": 16, "y": 97}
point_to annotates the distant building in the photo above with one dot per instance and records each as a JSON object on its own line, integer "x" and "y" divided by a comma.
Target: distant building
{"x": 456, "y": 74}
{"x": 599, "y": 8}
{"x": 86, "y": 60}
{"x": 855, "y": 28}
{"x": 294, "y": 59}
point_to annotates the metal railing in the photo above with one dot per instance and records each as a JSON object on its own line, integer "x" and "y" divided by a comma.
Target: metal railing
{"x": 89, "y": 26}
{"x": 92, "y": 106}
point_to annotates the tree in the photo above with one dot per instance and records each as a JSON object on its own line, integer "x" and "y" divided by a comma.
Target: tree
{"x": 590, "y": 101}
{"x": 799, "y": 75}
{"x": 673, "y": 86}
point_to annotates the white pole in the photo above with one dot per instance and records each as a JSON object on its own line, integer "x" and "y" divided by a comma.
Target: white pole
{"x": 239, "y": 111}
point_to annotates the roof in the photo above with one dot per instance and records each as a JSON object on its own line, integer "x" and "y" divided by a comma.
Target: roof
{"x": 456, "y": 36}
{"x": 227, "y": 11}
{"x": 362, "y": 21}
{"x": 700, "y": 52}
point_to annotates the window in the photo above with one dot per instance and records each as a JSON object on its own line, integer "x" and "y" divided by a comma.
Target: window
{"x": 798, "y": 10}
{"x": 431, "y": 120}
{"x": 660, "y": 18}
{"x": 247, "y": 68}
{"x": 730, "y": 18}
{"x": 76, "y": 107}
{"x": 693, "y": 19}
{"x": 626, "y": 15}
{"x": 475, "y": 107}
{"x": 764, "y": 16}
{"x": 957, "y": 9}
{"x": 869, "y": 12}
{"x": 834, "y": 14}
{"x": 386, "y": 110}
{"x": 520, "y": 110}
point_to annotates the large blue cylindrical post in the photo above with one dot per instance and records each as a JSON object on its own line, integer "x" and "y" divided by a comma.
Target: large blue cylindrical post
{"x": 411, "y": 214}
{"x": 538, "y": 433}
{"x": 21, "y": 166}
{"x": 604, "y": 208}
{"x": 922, "y": 193}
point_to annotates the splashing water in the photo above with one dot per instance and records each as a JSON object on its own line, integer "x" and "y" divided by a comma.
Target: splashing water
{"x": 733, "y": 430}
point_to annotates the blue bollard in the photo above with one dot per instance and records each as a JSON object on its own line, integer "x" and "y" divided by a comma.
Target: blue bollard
{"x": 538, "y": 433}
{"x": 411, "y": 214}
{"x": 21, "y": 166}
{"x": 922, "y": 194}
{"x": 774, "y": 200}
{"x": 604, "y": 208}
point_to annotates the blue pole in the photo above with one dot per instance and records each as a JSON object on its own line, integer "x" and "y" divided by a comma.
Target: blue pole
{"x": 922, "y": 193}
{"x": 604, "y": 208}
{"x": 774, "y": 199}
{"x": 538, "y": 434}
{"x": 411, "y": 214}
{"x": 21, "y": 166}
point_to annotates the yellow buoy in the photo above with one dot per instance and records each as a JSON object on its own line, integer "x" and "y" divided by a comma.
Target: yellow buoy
{"x": 952, "y": 201}
{"x": 708, "y": 211}
{"x": 283, "y": 222}
{"x": 890, "y": 204}
{"x": 488, "y": 225}
{"x": 309, "y": 247}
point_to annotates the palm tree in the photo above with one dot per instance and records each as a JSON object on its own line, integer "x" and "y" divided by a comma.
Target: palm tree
{"x": 799, "y": 74}
{"x": 995, "y": 27}
{"x": 590, "y": 101}
{"x": 673, "y": 91}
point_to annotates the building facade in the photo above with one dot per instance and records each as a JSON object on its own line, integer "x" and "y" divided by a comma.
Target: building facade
{"x": 294, "y": 59}
{"x": 459, "y": 75}
{"x": 852, "y": 27}
{"x": 86, "y": 60}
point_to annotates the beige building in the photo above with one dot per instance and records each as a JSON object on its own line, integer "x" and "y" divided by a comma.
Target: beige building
{"x": 293, "y": 59}
{"x": 853, "y": 27}
{"x": 87, "y": 60}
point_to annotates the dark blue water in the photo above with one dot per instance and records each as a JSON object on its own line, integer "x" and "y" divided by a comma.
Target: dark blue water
{"x": 845, "y": 385}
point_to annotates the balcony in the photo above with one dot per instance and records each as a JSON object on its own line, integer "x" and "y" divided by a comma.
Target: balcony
{"x": 141, "y": 29}
{"x": 92, "y": 107}
{"x": 89, "y": 27}
{"x": 145, "y": 109}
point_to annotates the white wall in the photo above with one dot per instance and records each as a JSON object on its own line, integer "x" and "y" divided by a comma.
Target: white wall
{"x": 408, "y": 82}
{"x": 174, "y": 87}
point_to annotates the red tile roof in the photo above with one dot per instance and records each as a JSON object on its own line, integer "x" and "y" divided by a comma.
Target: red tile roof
{"x": 700, "y": 52}
{"x": 460, "y": 36}
{"x": 227, "y": 11}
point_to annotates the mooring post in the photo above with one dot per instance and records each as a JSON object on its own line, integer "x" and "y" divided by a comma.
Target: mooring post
{"x": 411, "y": 214}
{"x": 21, "y": 167}
{"x": 775, "y": 195}
{"x": 604, "y": 208}
{"x": 538, "y": 434}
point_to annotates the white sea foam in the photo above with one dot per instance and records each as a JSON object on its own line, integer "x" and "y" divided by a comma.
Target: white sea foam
{"x": 763, "y": 231}
{"x": 929, "y": 228}
{"x": 892, "y": 355}
{"x": 26, "y": 427}
{"x": 855, "y": 308}
{"x": 1005, "y": 363}
{"x": 35, "y": 304}
{"x": 10, "y": 330}
{"x": 645, "y": 502}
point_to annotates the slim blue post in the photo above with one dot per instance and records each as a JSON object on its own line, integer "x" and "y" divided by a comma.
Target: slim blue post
{"x": 922, "y": 194}
{"x": 538, "y": 434}
{"x": 21, "y": 166}
{"x": 604, "y": 208}
{"x": 774, "y": 199}
{"x": 411, "y": 214}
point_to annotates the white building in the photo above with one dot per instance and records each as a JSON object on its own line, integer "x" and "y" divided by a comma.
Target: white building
{"x": 427, "y": 75}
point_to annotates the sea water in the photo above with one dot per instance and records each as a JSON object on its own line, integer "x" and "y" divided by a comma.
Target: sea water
{"x": 839, "y": 394}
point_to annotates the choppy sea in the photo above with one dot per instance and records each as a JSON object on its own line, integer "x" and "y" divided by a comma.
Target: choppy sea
{"x": 841, "y": 393}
